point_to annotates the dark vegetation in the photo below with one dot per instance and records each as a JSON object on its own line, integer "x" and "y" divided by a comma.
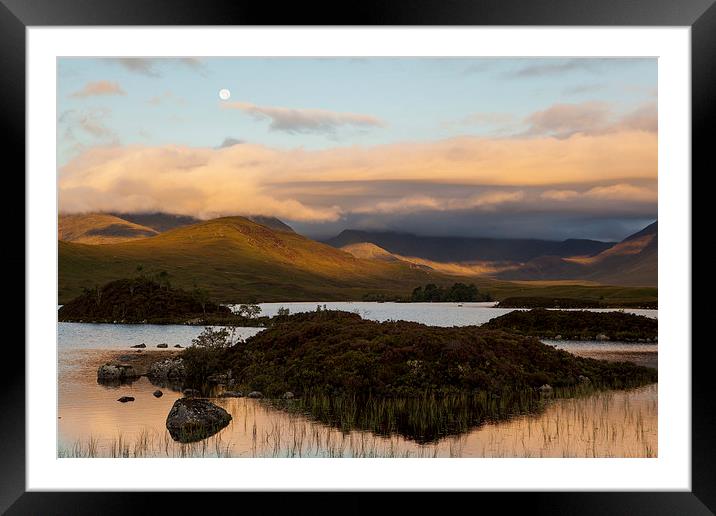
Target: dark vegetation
{"x": 568, "y": 302}
{"x": 152, "y": 300}
{"x": 459, "y": 292}
{"x": 577, "y": 325}
{"x": 419, "y": 381}
{"x": 338, "y": 354}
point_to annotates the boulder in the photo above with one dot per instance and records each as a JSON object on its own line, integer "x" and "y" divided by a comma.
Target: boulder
{"x": 158, "y": 393}
{"x": 546, "y": 390}
{"x": 584, "y": 379}
{"x": 255, "y": 394}
{"x": 116, "y": 373}
{"x": 167, "y": 369}
{"x": 231, "y": 394}
{"x": 194, "y": 419}
{"x": 142, "y": 345}
{"x": 163, "y": 345}
{"x": 601, "y": 336}
{"x": 557, "y": 337}
{"x": 288, "y": 395}
{"x": 125, "y": 399}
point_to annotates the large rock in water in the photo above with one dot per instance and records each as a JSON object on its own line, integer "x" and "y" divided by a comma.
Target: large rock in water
{"x": 192, "y": 419}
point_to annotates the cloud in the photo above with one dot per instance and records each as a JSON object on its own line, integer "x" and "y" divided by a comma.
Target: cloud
{"x": 643, "y": 118}
{"x": 559, "y": 195}
{"x": 292, "y": 120}
{"x": 623, "y": 192}
{"x": 148, "y": 66}
{"x": 229, "y": 142}
{"x": 402, "y": 205}
{"x": 564, "y": 120}
{"x": 590, "y": 118}
{"x": 583, "y": 88}
{"x": 619, "y": 192}
{"x": 556, "y": 66}
{"x": 491, "y": 200}
{"x": 90, "y": 122}
{"x": 167, "y": 96}
{"x": 99, "y": 88}
{"x": 457, "y": 174}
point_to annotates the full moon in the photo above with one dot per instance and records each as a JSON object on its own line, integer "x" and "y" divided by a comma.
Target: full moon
{"x": 224, "y": 94}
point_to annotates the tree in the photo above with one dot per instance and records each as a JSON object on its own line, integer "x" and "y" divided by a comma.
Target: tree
{"x": 249, "y": 310}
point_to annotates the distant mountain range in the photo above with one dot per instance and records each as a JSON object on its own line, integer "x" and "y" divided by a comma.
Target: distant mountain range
{"x": 239, "y": 258}
{"x": 466, "y": 250}
{"x": 633, "y": 261}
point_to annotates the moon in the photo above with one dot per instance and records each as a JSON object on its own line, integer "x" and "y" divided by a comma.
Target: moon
{"x": 224, "y": 94}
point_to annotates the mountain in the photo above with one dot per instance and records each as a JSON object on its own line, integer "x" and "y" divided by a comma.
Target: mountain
{"x": 236, "y": 259}
{"x": 631, "y": 262}
{"x": 99, "y": 228}
{"x": 112, "y": 228}
{"x": 368, "y": 251}
{"x": 158, "y": 221}
{"x": 466, "y": 250}
{"x": 270, "y": 222}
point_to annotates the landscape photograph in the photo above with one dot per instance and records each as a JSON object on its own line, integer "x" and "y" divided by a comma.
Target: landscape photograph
{"x": 357, "y": 257}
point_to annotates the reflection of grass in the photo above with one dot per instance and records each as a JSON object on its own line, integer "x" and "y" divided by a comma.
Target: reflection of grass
{"x": 596, "y": 424}
{"x": 146, "y": 443}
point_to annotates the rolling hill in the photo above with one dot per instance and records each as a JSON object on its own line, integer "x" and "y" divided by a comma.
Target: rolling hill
{"x": 632, "y": 262}
{"x": 99, "y": 228}
{"x": 236, "y": 259}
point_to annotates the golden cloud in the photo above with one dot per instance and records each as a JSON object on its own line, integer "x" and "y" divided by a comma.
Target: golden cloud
{"x": 245, "y": 178}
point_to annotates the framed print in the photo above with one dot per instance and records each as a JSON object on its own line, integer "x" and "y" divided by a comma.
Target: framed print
{"x": 416, "y": 250}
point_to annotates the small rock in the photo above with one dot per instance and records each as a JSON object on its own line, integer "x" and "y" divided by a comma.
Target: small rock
{"x": 546, "y": 389}
{"x": 163, "y": 345}
{"x": 158, "y": 393}
{"x": 125, "y": 357}
{"x": 116, "y": 372}
{"x": 231, "y": 394}
{"x": 125, "y": 399}
{"x": 557, "y": 337}
{"x": 601, "y": 336}
{"x": 178, "y": 346}
{"x": 190, "y": 393}
{"x": 583, "y": 379}
{"x": 255, "y": 394}
{"x": 142, "y": 345}
{"x": 288, "y": 395}
{"x": 138, "y": 351}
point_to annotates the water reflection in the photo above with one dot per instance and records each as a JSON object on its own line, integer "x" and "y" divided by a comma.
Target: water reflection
{"x": 92, "y": 423}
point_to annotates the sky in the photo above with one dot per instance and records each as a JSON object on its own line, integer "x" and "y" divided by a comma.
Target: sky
{"x": 532, "y": 148}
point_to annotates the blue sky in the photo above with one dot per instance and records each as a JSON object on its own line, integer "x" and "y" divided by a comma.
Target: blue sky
{"x": 324, "y": 104}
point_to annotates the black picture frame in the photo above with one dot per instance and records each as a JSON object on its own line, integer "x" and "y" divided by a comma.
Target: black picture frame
{"x": 17, "y": 15}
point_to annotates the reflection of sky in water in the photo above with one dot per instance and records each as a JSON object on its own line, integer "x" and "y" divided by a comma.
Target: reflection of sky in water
{"x": 626, "y": 422}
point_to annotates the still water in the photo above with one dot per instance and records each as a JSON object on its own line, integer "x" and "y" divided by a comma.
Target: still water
{"x": 92, "y": 423}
